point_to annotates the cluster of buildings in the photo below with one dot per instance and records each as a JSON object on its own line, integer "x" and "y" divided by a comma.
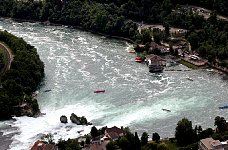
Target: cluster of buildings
{"x": 97, "y": 143}
{"x": 211, "y": 144}
{"x": 100, "y": 142}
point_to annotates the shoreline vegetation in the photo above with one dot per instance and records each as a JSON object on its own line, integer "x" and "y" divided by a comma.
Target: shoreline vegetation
{"x": 74, "y": 27}
{"x": 122, "y": 19}
{"x": 21, "y": 80}
{"x": 114, "y": 19}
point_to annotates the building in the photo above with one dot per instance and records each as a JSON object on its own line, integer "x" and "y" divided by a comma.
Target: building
{"x": 114, "y": 133}
{"x": 163, "y": 49}
{"x": 39, "y": 145}
{"x": 155, "y": 63}
{"x": 96, "y": 140}
{"x": 211, "y": 144}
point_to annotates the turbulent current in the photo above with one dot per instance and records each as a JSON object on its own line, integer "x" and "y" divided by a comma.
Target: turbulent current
{"x": 78, "y": 62}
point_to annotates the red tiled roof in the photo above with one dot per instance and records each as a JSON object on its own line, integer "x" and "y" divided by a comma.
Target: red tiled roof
{"x": 113, "y": 135}
{"x": 154, "y": 57}
{"x": 39, "y": 145}
{"x": 115, "y": 130}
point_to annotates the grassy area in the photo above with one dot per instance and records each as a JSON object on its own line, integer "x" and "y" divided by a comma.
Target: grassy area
{"x": 189, "y": 65}
{"x": 171, "y": 145}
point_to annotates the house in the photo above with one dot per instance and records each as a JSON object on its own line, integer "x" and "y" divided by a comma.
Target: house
{"x": 96, "y": 140}
{"x": 155, "y": 63}
{"x": 114, "y": 133}
{"x": 163, "y": 49}
{"x": 211, "y": 144}
{"x": 39, "y": 145}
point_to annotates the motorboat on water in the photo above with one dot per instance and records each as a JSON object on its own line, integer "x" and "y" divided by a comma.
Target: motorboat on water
{"x": 99, "y": 91}
{"x": 166, "y": 110}
{"x": 224, "y": 106}
{"x": 47, "y": 90}
{"x": 190, "y": 79}
{"x": 138, "y": 59}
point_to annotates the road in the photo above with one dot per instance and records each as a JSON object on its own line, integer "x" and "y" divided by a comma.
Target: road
{"x": 9, "y": 57}
{"x": 161, "y": 27}
{"x": 206, "y": 12}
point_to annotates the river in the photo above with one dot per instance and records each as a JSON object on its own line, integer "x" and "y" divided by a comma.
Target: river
{"x": 78, "y": 62}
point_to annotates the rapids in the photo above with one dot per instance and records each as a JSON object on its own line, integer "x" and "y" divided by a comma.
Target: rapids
{"x": 78, "y": 62}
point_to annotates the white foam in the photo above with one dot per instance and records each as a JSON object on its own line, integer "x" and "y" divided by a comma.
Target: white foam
{"x": 33, "y": 128}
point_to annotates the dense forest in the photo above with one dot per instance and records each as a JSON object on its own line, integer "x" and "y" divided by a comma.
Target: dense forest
{"x": 23, "y": 78}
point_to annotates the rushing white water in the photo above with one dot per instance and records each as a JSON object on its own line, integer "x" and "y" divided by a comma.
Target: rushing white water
{"x": 77, "y": 63}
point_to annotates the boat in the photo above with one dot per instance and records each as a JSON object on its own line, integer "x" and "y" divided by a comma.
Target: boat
{"x": 224, "y": 106}
{"x": 166, "y": 110}
{"x": 190, "y": 79}
{"x": 99, "y": 91}
{"x": 47, "y": 90}
{"x": 138, "y": 59}
{"x": 80, "y": 131}
{"x": 131, "y": 51}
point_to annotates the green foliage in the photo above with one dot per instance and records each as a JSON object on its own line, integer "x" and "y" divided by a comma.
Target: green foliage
{"x": 193, "y": 39}
{"x": 70, "y": 144}
{"x": 137, "y": 142}
{"x": 124, "y": 143}
{"x": 184, "y": 134}
{"x": 150, "y": 146}
{"x": 193, "y": 146}
{"x": 162, "y": 146}
{"x": 144, "y": 138}
{"x": 220, "y": 122}
{"x": 156, "y": 137}
{"x": 146, "y": 36}
{"x": 206, "y": 133}
{"x": 111, "y": 146}
{"x": 24, "y": 76}
{"x": 94, "y": 132}
{"x": 88, "y": 139}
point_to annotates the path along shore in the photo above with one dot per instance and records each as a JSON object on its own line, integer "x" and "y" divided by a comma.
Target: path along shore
{"x": 8, "y": 55}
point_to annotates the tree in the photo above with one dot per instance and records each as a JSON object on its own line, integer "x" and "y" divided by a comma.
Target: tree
{"x": 124, "y": 143}
{"x": 144, "y": 138}
{"x": 206, "y": 133}
{"x": 194, "y": 40}
{"x": 137, "y": 142}
{"x": 166, "y": 8}
{"x": 220, "y": 122}
{"x": 156, "y": 137}
{"x": 88, "y": 139}
{"x": 94, "y": 132}
{"x": 111, "y": 146}
{"x": 70, "y": 144}
{"x": 184, "y": 133}
{"x": 167, "y": 29}
{"x": 146, "y": 36}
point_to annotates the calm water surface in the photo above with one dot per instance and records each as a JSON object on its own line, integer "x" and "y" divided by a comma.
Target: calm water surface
{"x": 77, "y": 63}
